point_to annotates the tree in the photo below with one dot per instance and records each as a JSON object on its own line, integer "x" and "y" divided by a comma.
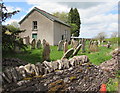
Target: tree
{"x": 9, "y": 33}
{"x": 62, "y": 16}
{"x": 15, "y": 24}
{"x": 74, "y": 18}
{"x": 101, "y": 36}
{"x": 114, "y": 34}
{"x": 74, "y": 28}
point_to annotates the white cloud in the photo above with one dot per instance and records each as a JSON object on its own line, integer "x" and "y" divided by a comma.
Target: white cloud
{"x": 10, "y": 21}
{"x": 12, "y": 8}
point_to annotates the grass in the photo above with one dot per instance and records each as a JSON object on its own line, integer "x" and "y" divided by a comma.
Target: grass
{"x": 35, "y": 55}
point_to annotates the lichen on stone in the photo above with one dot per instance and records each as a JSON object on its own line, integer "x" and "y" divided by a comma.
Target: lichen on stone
{"x": 56, "y": 83}
{"x": 40, "y": 76}
{"x": 29, "y": 78}
{"x": 73, "y": 78}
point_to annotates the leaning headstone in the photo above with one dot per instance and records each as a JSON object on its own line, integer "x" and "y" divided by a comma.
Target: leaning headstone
{"x": 46, "y": 52}
{"x": 39, "y": 44}
{"x": 68, "y": 53}
{"x": 60, "y": 45}
{"x": 77, "y": 50}
{"x": 65, "y": 46}
{"x": 33, "y": 44}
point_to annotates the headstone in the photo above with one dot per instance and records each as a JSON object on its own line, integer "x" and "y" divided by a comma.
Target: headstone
{"x": 77, "y": 50}
{"x": 24, "y": 40}
{"x": 95, "y": 46}
{"x": 16, "y": 47}
{"x": 46, "y": 52}
{"x": 43, "y": 42}
{"x": 33, "y": 44}
{"x": 39, "y": 44}
{"x": 108, "y": 44}
{"x": 65, "y": 46}
{"x": 75, "y": 44}
{"x": 83, "y": 45}
{"x": 60, "y": 45}
{"x": 68, "y": 53}
{"x": 72, "y": 42}
{"x": 98, "y": 42}
{"x": 27, "y": 40}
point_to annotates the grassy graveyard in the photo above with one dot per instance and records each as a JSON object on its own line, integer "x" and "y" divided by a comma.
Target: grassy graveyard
{"x": 35, "y": 55}
{"x": 103, "y": 54}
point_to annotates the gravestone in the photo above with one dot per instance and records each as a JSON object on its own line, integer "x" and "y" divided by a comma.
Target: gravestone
{"x": 77, "y": 50}
{"x": 95, "y": 46}
{"x": 65, "y": 46}
{"x": 68, "y": 53}
{"x": 75, "y": 44}
{"x": 24, "y": 40}
{"x": 60, "y": 45}
{"x": 33, "y": 44}
{"x": 46, "y": 52}
{"x": 108, "y": 44}
{"x": 72, "y": 42}
{"x": 43, "y": 42}
{"x": 39, "y": 44}
{"x": 27, "y": 40}
{"x": 98, "y": 42}
{"x": 83, "y": 45}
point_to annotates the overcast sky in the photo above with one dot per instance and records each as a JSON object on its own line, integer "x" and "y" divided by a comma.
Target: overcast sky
{"x": 95, "y": 16}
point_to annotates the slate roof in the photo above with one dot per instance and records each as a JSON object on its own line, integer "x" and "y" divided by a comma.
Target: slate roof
{"x": 46, "y": 14}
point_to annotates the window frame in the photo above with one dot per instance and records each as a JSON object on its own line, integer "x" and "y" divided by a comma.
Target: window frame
{"x": 35, "y": 25}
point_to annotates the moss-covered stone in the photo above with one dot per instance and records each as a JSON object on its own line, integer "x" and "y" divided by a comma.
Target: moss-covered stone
{"x": 40, "y": 76}
{"x": 56, "y": 83}
{"x": 29, "y": 78}
{"x": 73, "y": 78}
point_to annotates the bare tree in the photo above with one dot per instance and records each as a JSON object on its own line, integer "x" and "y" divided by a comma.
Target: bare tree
{"x": 101, "y": 35}
{"x": 15, "y": 24}
{"x": 114, "y": 34}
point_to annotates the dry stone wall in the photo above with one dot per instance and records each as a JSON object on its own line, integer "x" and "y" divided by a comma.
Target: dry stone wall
{"x": 74, "y": 75}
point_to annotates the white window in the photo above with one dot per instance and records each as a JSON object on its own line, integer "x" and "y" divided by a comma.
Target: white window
{"x": 34, "y": 25}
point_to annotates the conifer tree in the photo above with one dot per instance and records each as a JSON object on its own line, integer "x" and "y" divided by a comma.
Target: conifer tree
{"x": 74, "y": 18}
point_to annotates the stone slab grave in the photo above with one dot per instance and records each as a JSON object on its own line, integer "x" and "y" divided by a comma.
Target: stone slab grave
{"x": 68, "y": 53}
{"x": 39, "y": 44}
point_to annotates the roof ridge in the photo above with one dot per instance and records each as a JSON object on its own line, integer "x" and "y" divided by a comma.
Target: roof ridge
{"x": 45, "y": 12}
